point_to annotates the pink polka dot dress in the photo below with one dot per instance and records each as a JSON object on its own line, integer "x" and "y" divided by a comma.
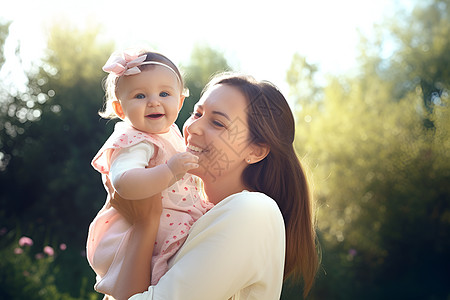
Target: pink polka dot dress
{"x": 109, "y": 232}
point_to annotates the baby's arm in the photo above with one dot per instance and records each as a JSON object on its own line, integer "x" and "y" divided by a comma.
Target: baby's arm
{"x": 137, "y": 182}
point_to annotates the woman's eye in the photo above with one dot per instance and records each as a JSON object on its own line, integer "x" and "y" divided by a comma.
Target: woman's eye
{"x": 140, "y": 96}
{"x": 218, "y": 124}
{"x": 196, "y": 115}
{"x": 163, "y": 94}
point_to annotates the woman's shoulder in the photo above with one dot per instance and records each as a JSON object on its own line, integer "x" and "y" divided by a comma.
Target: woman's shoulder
{"x": 252, "y": 204}
{"x": 243, "y": 216}
{"x": 251, "y": 199}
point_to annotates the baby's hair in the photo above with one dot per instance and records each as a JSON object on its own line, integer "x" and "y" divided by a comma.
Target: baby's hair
{"x": 110, "y": 82}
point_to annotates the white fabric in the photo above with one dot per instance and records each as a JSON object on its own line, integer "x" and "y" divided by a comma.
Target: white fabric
{"x": 136, "y": 156}
{"x": 125, "y": 159}
{"x": 235, "y": 251}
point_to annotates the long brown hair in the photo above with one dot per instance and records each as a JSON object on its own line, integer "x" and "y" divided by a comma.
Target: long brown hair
{"x": 280, "y": 174}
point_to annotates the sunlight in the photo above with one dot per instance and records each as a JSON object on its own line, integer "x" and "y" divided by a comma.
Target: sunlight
{"x": 259, "y": 38}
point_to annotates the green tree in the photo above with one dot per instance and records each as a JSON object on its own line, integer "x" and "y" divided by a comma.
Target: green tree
{"x": 302, "y": 80}
{"x": 48, "y": 136}
{"x": 421, "y": 46}
{"x": 381, "y": 177}
{"x": 203, "y": 64}
{"x": 4, "y": 30}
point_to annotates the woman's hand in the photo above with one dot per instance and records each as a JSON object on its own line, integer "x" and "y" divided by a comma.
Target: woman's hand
{"x": 144, "y": 215}
{"x": 135, "y": 211}
{"x": 138, "y": 211}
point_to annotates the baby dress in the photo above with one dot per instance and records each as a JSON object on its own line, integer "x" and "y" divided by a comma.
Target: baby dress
{"x": 109, "y": 232}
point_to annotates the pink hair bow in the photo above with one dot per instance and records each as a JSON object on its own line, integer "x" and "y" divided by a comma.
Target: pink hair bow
{"x": 124, "y": 64}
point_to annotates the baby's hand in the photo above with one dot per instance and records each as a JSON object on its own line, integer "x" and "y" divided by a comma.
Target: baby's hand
{"x": 180, "y": 163}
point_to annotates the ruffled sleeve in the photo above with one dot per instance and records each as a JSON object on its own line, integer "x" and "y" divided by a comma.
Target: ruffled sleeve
{"x": 124, "y": 136}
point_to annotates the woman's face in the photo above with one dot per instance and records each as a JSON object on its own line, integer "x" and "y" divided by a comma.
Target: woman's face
{"x": 218, "y": 134}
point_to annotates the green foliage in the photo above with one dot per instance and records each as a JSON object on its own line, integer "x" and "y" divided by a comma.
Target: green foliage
{"x": 48, "y": 136}
{"x": 421, "y": 47}
{"x": 4, "y": 30}
{"x": 302, "y": 81}
{"x": 381, "y": 183}
{"x": 51, "y": 134}
{"x": 378, "y": 145}
{"x": 29, "y": 273}
{"x": 203, "y": 64}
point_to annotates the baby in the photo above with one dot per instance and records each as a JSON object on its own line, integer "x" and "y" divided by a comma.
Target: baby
{"x": 144, "y": 156}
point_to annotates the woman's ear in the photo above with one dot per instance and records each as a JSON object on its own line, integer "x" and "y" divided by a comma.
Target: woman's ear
{"x": 117, "y": 107}
{"x": 258, "y": 153}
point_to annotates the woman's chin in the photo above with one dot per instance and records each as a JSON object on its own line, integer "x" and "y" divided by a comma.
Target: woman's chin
{"x": 200, "y": 172}
{"x": 194, "y": 172}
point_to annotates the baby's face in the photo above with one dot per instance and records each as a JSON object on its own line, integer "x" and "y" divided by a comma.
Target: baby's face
{"x": 150, "y": 101}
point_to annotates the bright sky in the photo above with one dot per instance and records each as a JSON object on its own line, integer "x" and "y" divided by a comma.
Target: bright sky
{"x": 256, "y": 37}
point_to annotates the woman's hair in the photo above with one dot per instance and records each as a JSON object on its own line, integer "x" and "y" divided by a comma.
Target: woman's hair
{"x": 110, "y": 83}
{"x": 280, "y": 174}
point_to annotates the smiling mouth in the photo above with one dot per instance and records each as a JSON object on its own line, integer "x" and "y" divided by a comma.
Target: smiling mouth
{"x": 195, "y": 149}
{"x": 154, "y": 116}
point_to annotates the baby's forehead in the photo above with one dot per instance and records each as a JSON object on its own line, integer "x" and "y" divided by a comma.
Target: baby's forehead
{"x": 153, "y": 76}
{"x": 163, "y": 73}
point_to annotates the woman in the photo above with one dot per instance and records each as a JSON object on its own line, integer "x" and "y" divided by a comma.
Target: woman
{"x": 261, "y": 229}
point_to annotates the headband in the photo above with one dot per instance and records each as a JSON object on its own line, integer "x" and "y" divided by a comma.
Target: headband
{"x": 127, "y": 64}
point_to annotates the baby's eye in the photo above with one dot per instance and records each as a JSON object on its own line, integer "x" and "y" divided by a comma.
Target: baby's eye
{"x": 164, "y": 94}
{"x": 140, "y": 96}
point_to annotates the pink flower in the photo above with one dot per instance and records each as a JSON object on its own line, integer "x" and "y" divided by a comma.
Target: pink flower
{"x": 18, "y": 250}
{"x": 25, "y": 241}
{"x": 3, "y": 231}
{"x": 63, "y": 246}
{"x": 49, "y": 251}
{"x": 39, "y": 256}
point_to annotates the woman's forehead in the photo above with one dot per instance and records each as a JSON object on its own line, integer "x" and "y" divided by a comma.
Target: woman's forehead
{"x": 224, "y": 98}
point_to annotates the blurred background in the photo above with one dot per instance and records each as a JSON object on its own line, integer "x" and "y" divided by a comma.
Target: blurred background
{"x": 368, "y": 82}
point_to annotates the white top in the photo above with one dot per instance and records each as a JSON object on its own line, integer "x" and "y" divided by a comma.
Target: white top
{"x": 136, "y": 156}
{"x": 124, "y": 159}
{"x": 235, "y": 251}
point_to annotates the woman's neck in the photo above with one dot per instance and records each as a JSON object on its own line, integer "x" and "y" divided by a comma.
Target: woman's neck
{"x": 217, "y": 191}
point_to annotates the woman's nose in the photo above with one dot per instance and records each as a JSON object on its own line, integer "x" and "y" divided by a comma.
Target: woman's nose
{"x": 193, "y": 126}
